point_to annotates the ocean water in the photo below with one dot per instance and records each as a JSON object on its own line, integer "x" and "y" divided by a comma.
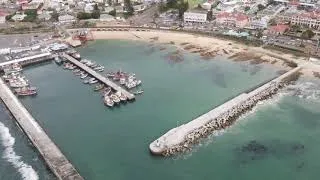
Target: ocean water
{"x": 278, "y": 140}
{"x": 19, "y": 159}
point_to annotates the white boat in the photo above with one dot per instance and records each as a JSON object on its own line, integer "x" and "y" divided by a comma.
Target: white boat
{"x": 108, "y": 101}
{"x": 83, "y": 76}
{"x": 122, "y": 80}
{"x": 138, "y": 92}
{"x": 115, "y": 98}
{"x": 18, "y": 84}
{"x": 121, "y": 96}
{"x": 93, "y": 81}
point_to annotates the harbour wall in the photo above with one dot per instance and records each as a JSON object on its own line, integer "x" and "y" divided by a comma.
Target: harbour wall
{"x": 54, "y": 158}
{"x": 181, "y": 138}
{"x": 29, "y": 60}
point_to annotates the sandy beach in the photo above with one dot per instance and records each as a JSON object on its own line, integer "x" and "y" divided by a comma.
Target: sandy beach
{"x": 209, "y": 47}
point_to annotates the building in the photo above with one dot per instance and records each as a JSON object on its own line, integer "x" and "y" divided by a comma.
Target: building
{"x": 232, "y": 19}
{"x": 66, "y": 19}
{"x": 195, "y": 16}
{"x": 18, "y": 17}
{"x": 278, "y": 29}
{"x": 258, "y": 23}
{"x": 3, "y": 17}
{"x": 302, "y": 18}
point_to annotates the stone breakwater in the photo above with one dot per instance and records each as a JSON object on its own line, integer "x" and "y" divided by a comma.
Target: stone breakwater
{"x": 182, "y": 138}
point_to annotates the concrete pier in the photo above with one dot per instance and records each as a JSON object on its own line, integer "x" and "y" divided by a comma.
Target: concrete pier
{"x": 29, "y": 60}
{"x": 56, "y": 161}
{"x": 181, "y": 138}
{"x": 99, "y": 77}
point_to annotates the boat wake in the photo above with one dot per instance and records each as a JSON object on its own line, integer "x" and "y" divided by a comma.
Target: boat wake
{"x": 26, "y": 171}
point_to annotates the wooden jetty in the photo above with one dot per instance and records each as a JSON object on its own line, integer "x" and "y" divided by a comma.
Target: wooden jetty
{"x": 177, "y": 135}
{"x": 54, "y": 158}
{"x": 99, "y": 77}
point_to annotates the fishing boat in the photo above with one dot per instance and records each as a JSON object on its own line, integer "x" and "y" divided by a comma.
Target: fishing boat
{"x": 27, "y": 92}
{"x": 76, "y": 70}
{"x": 83, "y": 75}
{"x": 121, "y": 96}
{"x": 110, "y": 74}
{"x": 58, "y": 60}
{"x": 18, "y": 90}
{"x": 98, "y": 87}
{"x": 86, "y": 81}
{"x": 18, "y": 83}
{"x": 115, "y": 98}
{"x": 15, "y": 67}
{"x": 100, "y": 70}
{"x": 93, "y": 81}
{"x": 107, "y": 91}
{"x": 138, "y": 92}
{"x": 78, "y": 73}
{"x": 108, "y": 101}
{"x": 72, "y": 67}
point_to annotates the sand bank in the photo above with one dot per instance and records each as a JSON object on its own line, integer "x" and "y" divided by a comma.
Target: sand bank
{"x": 208, "y": 47}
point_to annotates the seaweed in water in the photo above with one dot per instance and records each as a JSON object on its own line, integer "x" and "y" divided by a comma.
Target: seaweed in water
{"x": 174, "y": 57}
{"x": 150, "y": 51}
{"x": 218, "y": 77}
{"x": 254, "y": 70}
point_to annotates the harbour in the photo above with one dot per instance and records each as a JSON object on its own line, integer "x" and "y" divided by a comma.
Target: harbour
{"x": 56, "y": 106}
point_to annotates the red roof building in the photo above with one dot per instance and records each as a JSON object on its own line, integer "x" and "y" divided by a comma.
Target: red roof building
{"x": 278, "y": 29}
{"x": 232, "y": 19}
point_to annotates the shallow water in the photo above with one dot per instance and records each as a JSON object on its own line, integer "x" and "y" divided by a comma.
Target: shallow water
{"x": 276, "y": 141}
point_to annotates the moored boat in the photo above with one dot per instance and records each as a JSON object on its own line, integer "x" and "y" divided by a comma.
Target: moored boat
{"x": 115, "y": 98}
{"x": 98, "y": 87}
{"x": 83, "y": 75}
{"x": 121, "y": 96}
{"x": 58, "y": 60}
{"x": 108, "y": 101}
{"x": 26, "y": 93}
{"x": 138, "y": 92}
{"x": 18, "y": 90}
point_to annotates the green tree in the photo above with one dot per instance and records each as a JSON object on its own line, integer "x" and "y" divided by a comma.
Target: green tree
{"x": 55, "y": 15}
{"x": 209, "y": 15}
{"x": 295, "y": 28}
{"x": 247, "y": 8}
{"x": 113, "y": 13}
{"x": 307, "y": 34}
{"x": 182, "y": 7}
{"x": 261, "y": 7}
{"x": 83, "y": 15}
{"x": 259, "y": 34}
{"x": 128, "y": 7}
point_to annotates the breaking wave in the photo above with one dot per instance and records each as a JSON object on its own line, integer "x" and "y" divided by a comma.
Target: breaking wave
{"x": 305, "y": 90}
{"x": 26, "y": 171}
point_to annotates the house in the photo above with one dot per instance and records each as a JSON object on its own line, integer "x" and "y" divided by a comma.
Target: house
{"x": 66, "y": 19}
{"x": 21, "y": 2}
{"x": 195, "y": 16}
{"x": 232, "y": 19}
{"x": 30, "y": 6}
{"x": 3, "y": 17}
{"x": 44, "y": 16}
{"x": 88, "y": 8}
{"x": 278, "y": 29}
{"x": 259, "y": 23}
{"x": 18, "y": 17}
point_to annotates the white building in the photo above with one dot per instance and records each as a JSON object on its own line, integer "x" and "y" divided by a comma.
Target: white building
{"x": 3, "y": 17}
{"x": 66, "y": 19}
{"x": 195, "y": 17}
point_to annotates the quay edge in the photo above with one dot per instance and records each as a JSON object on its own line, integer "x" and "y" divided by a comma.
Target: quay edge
{"x": 52, "y": 155}
{"x": 181, "y": 138}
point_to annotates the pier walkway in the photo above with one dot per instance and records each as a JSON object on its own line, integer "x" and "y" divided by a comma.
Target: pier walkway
{"x": 177, "y": 135}
{"x": 56, "y": 161}
{"x": 99, "y": 77}
{"x": 29, "y": 60}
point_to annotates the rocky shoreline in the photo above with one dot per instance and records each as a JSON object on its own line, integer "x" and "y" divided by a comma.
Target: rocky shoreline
{"x": 227, "y": 118}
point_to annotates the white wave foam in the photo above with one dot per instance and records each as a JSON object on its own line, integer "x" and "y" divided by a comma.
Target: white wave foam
{"x": 26, "y": 171}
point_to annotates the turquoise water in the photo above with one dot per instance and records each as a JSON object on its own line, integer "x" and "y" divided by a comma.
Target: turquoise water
{"x": 113, "y": 143}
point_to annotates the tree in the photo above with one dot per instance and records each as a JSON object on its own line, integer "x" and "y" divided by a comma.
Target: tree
{"x": 307, "y": 34}
{"x": 182, "y": 7}
{"x": 55, "y": 15}
{"x": 113, "y": 12}
{"x": 209, "y": 15}
{"x": 128, "y": 7}
{"x": 247, "y": 8}
{"x": 109, "y": 2}
{"x": 261, "y": 7}
{"x": 259, "y": 34}
{"x": 272, "y": 22}
{"x": 83, "y": 15}
{"x": 295, "y": 28}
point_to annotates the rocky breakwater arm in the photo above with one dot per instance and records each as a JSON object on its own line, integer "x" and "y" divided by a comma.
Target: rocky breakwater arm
{"x": 181, "y": 138}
